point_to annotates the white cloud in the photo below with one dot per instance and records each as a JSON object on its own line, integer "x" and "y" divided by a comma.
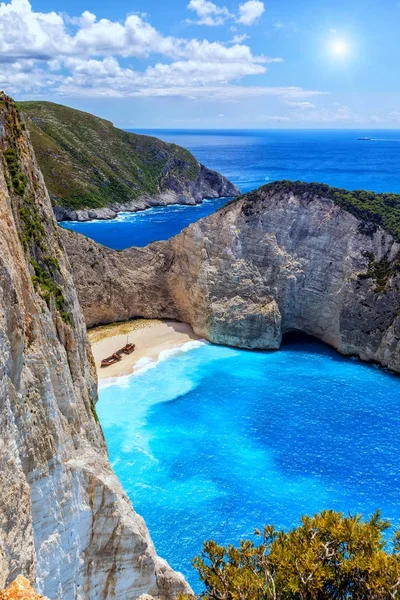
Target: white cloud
{"x": 300, "y": 105}
{"x": 239, "y": 38}
{"x": 81, "y": 56}
{"x": 335, "y": 113}
{"x": 208, "y": 13}
{"x": 287, "y": 27}
{"x": 45, "y": 36}
{"x": 110, "y": 80}
{"x": 273, "y": 118}
{"x": 250, "y": 12}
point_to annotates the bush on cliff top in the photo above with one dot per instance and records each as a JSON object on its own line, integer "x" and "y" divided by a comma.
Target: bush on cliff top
{"x": 328, "y": 556}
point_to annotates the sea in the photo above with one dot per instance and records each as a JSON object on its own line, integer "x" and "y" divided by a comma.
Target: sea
{"x": 254, "y": 158}
{"x": 212, "y": 442}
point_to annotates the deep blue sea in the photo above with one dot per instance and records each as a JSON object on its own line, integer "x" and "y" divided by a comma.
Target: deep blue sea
{"x": 213, "y": 442}
{"x": 253, "y": 158}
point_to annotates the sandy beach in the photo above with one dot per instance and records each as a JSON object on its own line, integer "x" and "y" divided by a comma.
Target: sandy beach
{"x": 150, "y": 337}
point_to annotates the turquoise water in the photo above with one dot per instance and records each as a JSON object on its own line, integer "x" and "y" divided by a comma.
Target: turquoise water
{"x": 214, "y": 442}
{"x": 252, "y": 158}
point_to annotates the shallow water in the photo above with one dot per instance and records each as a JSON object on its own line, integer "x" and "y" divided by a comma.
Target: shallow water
{"x": 253, "y": 158}
{"x": 214, "y": 442}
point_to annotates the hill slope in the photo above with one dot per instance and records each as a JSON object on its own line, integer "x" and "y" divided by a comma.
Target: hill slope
{"x": 92, "y": 169}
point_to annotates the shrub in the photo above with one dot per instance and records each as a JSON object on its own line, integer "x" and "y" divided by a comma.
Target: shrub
{"x": 329, "y": 556}
{"x": 18, "y": 179}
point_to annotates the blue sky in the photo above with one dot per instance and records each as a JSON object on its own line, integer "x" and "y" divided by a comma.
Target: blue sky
{"x": 202, "y": 64}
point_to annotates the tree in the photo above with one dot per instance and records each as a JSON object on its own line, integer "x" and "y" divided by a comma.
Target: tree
{"x": 329, "y": 556}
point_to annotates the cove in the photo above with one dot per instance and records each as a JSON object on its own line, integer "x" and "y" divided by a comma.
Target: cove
{"x": 146, "y": 226}
{"x": 214, "y": 442}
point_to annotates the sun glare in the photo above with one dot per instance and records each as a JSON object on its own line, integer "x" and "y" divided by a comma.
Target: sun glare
{"x": 339, "y": 48}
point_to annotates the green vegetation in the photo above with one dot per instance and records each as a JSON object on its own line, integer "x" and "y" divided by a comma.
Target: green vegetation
{"x": 88, "y": 163}
{"x": 369, "y": 207}
{"x": 32, "y": 232}
{"x": 18, "y": 179}
{"x": 328, "y": 556}
{"x": 93, "y": 407}
{"x": 380, "y": 271}
{"x": 43, "y": 280}
{"x": 33, "y": 226}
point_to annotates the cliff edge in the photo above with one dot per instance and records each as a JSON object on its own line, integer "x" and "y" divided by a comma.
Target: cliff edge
{"x": 65, "y": 522}
{"x": 286, "y": 257}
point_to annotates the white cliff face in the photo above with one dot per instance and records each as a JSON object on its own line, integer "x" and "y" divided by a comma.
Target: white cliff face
{"x": 271, "y": 262}
{"x": 65, "y": 522}
{"x": 281, "y": 262}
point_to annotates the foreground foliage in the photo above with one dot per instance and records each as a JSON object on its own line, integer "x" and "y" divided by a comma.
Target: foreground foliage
{"x": 329, "y": 556}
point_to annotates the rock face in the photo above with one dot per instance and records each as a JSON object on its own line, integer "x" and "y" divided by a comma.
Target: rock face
{"x": 65, "y": 522}
{"x": 268, "y": 263}
{"x": 93, "y": 170}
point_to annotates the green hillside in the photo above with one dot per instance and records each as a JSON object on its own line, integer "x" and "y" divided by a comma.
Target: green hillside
{"x": 88, "y": 163}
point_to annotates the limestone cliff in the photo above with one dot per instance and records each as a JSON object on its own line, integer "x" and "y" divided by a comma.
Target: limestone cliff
{"x": 65, "y": 522}
{"x": 283, "y": 258}
{"x": 92, "y": 169}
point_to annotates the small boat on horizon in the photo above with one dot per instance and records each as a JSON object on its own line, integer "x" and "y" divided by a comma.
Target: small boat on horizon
{"x": 365, "y": 139}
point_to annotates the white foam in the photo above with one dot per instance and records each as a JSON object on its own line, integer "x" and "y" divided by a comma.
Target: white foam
{"x": 145, "y": 363}
{"x": 120, "y": 380}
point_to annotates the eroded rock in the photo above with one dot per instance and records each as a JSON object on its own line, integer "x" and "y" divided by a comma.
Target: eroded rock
{"x": 266, "y": 264}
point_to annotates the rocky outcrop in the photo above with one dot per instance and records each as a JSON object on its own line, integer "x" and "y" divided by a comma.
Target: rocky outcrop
{"x": 65, "y": 522}
{"x": 274, "y": 261}
{"x": 208, "y": 184}
{"x": 20, "y": 589}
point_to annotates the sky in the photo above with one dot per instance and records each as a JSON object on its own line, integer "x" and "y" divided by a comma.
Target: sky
{"x": 192, "y": 64}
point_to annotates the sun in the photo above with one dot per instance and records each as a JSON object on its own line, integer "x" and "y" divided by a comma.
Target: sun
{"x": 340, "y": 48}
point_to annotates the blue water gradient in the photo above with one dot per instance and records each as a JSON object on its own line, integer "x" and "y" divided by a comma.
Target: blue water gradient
{"x": 216, "y": 441}
{"x": 144, "y": 227}
{"x": 253, "y": 158}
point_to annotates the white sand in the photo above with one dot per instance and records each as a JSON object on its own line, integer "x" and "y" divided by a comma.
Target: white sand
{"x": 149, "y": 337}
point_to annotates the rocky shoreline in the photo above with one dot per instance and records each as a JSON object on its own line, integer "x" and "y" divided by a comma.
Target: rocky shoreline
{"x": 209, "y": 185}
